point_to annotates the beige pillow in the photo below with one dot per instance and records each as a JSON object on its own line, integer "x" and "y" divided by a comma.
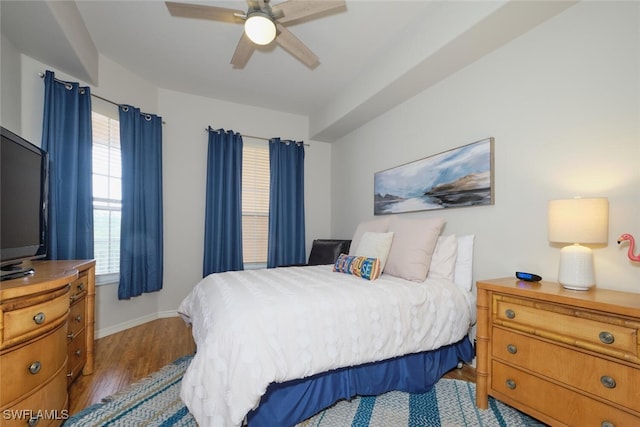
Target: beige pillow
{"x": 414, "y": 240}
{"x": 375, "y": 225}
{"x": 375, "y": 245}
{"x": 443, "y": 261}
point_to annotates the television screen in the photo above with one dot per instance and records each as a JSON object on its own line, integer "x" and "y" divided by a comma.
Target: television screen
{"x": 23, "y": 200}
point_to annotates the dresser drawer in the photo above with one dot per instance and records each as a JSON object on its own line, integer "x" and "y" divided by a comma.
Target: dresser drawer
{"x": 76, "y": 317}
{"x": 609, "y": 335}
{"x": 78, "y": 288}
{"x": 609, "y": 380}
{"x": 49, "y": 404}
{"x": 24, "y": 320}
{"x": 32, "y": 364}
{"x": 568, "y": 407}
{"x": 76, "y": 356}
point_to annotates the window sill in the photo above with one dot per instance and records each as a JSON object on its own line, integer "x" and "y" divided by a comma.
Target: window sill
{"x": 255, "y": 266}
{"x": 107, "y": 279}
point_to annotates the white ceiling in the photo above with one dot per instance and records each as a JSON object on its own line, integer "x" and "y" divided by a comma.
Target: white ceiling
{"x": 193, "y": 56}
{"x": 395, "y": 48}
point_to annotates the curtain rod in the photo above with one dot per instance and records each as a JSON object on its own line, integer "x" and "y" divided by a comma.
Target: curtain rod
{"x": 262, "y": 138}
{"x": 97, "y": 96}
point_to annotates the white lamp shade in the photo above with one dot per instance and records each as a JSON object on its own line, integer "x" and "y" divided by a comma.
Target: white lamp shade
{"x": 578, "y": 221}
{"x": 260, "y": 28}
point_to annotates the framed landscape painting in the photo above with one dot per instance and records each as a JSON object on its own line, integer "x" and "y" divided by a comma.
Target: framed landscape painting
{"x": 459, "y": 177}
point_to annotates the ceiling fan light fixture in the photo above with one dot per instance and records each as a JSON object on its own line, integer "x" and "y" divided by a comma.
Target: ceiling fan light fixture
{"x": 260, "y": 28}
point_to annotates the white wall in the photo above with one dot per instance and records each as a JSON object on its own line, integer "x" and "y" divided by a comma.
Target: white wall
{"x": 184, "y": 168}
{"x": 185, "y": 153}
{"x": 9, "y": 85}
{"x": 563, "y": 103}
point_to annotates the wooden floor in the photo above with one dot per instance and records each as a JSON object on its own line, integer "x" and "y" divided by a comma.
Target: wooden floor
{"x": 128, "y": 356}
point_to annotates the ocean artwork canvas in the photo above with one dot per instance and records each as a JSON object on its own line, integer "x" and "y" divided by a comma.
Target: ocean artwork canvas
{"x": 455, "y": 178}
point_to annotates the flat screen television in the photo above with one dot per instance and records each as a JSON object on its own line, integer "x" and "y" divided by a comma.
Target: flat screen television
{"x": 23, "y": 204}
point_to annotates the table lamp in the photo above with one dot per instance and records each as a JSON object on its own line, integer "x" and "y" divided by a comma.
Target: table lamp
{"x": 578, "y": 221}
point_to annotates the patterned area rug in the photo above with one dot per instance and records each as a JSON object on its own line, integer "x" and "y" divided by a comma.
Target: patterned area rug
{"x": 155, "y": 401}
{"x": 451, "y": 403}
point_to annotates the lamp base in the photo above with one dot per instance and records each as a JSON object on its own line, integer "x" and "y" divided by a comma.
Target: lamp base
{"x": 576, "y": 268}
{"x": 577, "y": 288}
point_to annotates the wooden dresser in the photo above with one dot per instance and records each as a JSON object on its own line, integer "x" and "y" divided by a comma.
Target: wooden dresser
{"x": 46, "y": 338}
{"x": 564, "y": 357}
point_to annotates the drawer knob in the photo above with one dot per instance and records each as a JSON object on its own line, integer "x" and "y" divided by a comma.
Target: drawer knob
{"x": 39, "y": 318}
{"x": 78, "y": 318}
{"x": 510, "y": 314}
{"x": 81, "y": 287}
{"x": 78, "y": 352}
{"x": 511, "y": 384}
{"x": 512, "y": 349}
{"x": 34, "y": 368}
{"x": 70, "y": 336}
{"x": 607, "y": 424}
{"x": 607, "y": 381}
{"x": 606, "y": 337}
{"x": 70, "y": 374}
{"x": 33, "y": 421}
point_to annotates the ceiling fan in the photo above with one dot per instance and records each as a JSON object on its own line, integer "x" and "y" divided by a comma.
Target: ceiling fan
{"x": 263, "y": 24}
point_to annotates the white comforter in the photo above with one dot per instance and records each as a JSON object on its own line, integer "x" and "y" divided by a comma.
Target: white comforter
{"x": 256, "y": 327}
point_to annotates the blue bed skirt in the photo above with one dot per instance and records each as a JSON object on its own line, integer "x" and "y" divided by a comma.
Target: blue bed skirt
{"x": 287, "y": 404}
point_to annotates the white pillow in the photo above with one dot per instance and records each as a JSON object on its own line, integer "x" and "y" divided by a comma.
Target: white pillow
{"x": 414, "y": 240}
{"x": 463, "y": 276}
{"x": 380, "y": 225}
{"x": 375, "y": 245}
{"x": 443, "y": 261}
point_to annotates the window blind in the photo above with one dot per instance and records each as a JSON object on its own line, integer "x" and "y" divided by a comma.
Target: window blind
{"x": 255, "y": 202}
{"x": 107, "y": 193}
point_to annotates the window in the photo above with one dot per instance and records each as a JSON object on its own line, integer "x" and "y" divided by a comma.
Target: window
{"x": 107, "y": 195}
{"x": 255, "y": 203}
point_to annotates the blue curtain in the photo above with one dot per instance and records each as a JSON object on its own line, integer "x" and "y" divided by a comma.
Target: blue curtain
{"x": 286, "y": 204}
{"x": 141, "y": 250}
{"x": 66, "y": 136}
{"x": 223, "y": 214}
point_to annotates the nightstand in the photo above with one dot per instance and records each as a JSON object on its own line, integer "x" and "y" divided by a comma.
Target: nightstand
{"x": 565, "y": 357}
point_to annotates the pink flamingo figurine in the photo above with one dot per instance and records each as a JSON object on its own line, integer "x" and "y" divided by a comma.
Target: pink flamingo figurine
{"x": 632, "y": 246}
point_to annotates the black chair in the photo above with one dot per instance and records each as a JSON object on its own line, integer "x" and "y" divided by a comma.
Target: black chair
{"x": 326, "y": 251}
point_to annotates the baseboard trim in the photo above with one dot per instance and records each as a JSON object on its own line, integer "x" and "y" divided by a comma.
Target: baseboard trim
{"x": 101, "y": 333}
{"x": 168, "y": 313}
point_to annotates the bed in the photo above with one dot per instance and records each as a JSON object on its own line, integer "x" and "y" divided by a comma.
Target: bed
{"x": 275, "y": 346}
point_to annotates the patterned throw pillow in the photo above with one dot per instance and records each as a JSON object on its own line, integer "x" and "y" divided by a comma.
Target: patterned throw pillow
{"x": 367, "y": 268}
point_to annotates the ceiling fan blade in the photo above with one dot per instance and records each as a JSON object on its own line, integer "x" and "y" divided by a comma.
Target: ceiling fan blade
{"x": 295, "y": 47}
{"x": 198, "y": 11}
{"x": 243, "y": 52}
{"x": 298, "y": 9}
